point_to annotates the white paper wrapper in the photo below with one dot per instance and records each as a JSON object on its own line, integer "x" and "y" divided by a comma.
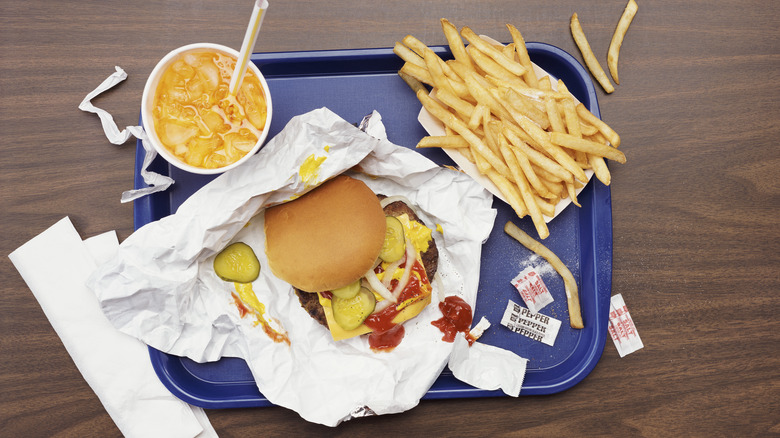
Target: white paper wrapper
{"x": 161, "y": 287}
{"x": 155, "y": 181}
{"x": 433, "y": 126}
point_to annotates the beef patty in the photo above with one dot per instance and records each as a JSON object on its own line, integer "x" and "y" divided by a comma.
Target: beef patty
{"x": 430, "y": 258}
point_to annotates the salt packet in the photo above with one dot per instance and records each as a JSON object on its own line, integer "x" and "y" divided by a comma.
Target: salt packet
{"x": 532, "y": 289}
{"x": 536, "y": 326}
{"x": 621, "y": 327}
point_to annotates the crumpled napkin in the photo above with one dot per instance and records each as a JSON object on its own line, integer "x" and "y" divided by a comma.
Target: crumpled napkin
{"x": 155, "y": 181}
{"x": 55, "y": 264}
{"x": 162, "y": 289}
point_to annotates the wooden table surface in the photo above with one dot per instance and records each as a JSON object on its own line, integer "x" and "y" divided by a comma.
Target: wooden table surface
{"x": 695, "y": 208}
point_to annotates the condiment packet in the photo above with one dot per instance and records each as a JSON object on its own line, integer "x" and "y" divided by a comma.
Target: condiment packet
{"x": 155, "y": 181}
{"x": 536, "y": 326}
{"x": 162, "y": 289}
{"x": 621, "y": 327}
{"x": 487, "y": 367}
{"x": 532, "y": 289}
{"x": 55, "y": 264}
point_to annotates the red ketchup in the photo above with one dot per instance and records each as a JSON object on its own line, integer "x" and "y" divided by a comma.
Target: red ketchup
{"x": 456, "y": 319}
{"x": 387, "y": 335}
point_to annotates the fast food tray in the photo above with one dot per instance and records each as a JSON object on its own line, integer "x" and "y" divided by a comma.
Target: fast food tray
{"x": 353, "y": 83}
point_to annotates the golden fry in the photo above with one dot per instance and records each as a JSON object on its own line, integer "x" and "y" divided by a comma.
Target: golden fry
{"x": 612, "y": 137}
{"x": 460, "y": 127}
{"x": 591, "y": 147}
{"x": 572, "y": 291}
{"x": 408, "y": 55}
{"x": 588, "y": 56}
{"x": 457, "y": 47}
{"x": 617, "y": 38}
{"x": 483, "y": 46}
{"x": 412, "y": 82}
{"x": 442, "y": 141}
{"x": 525, "y": 191}
{"x": 522, "y": 55}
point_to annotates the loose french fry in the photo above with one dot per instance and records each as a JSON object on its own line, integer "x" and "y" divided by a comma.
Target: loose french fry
{"x": 617, "y": 38}
{"x": 588, "y": 56}
{"x": 572, "y": 291}
{"x": 475, "y": 40}
{"x": 461, "y": 128}
{"x": 522, "y": 55}
{"x": 443, "y": 141}
{"x": 591, "y": 147}
{"x": 588, "y": 117}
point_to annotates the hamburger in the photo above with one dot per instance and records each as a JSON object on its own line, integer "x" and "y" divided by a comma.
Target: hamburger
{"x": 359, "y": 262}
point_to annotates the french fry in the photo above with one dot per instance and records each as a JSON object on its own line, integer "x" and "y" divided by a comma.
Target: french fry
{"x": 522, "y": 55}
{"x": 483, "y": 46}
{"x": 510, "y": 191}
{"x": 457, "y": 47}
{"x": 537, "y": 157}
{"x": 600, "y": 169}
{"x": 617, "y": 38}
{"x": 612, "y": 137}
{"x": 525, "y": 191}
{"x": 587, "y": 54}
{"x": 591, "y": 147}
{"x": 531, "y": 141}
{"x": 412, "y": 82}
{"x": 442, "y": 141}
{"x": 572, "y": 291}
{"x": 419, "y": 73}
{"x": 408, "y": 55}
{"x": 460, "y": 127}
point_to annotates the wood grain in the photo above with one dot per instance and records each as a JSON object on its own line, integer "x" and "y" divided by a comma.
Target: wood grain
{"x": 695, "y": 208}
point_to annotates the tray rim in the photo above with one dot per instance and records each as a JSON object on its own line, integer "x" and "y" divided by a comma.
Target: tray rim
{"x": 163, "y": 363}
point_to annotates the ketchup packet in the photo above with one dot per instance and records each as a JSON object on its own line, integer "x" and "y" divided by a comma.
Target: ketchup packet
{"x": 622, "y": 328}
{"x": 532, "y": 289}
{"x": 536, "y": 326}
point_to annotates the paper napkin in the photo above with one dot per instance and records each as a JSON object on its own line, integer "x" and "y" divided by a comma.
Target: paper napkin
{"x": 55, "y": 265}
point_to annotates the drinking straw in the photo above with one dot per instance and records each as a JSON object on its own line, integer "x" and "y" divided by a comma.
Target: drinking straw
{"x": 258, "y": 13}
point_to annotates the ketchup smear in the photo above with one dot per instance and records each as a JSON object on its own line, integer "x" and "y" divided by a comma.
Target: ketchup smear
{"x": 456, "y": 319}
{"x": 387, "y": 335}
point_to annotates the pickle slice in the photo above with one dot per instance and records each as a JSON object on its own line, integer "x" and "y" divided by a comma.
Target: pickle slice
{"x": 347, "y": 291}
{"x": 237, "y": 263}
{"x": 394, "y": 246}
{"x": 349, "y": 313}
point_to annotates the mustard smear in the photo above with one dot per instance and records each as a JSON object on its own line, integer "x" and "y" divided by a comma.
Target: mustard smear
{"x": 309, "y": 170}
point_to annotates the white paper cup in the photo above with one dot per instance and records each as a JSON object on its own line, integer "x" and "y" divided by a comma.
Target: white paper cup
{"x": 147, "y": 106}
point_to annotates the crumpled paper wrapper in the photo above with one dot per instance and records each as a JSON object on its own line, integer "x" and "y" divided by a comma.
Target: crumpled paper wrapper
{"x": 162, "y": 289}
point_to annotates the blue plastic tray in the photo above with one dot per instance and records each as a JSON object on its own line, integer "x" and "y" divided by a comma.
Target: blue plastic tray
{"x": 352, "y": 83}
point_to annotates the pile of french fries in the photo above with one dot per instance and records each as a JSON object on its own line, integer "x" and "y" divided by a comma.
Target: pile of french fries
{"x": 529, "y": 136}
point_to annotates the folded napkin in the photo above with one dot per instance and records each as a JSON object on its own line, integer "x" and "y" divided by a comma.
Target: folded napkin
{"x": 55, "y": 265}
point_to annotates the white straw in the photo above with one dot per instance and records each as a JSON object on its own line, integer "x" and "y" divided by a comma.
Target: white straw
{"x": 258, "y": 13}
